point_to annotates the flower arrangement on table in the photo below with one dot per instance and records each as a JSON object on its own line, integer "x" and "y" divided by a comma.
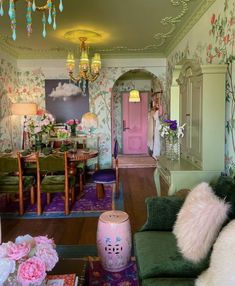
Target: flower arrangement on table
{"x": 42, "y": 124}
{"x": 26, "y": 261}
{"x": 75, "y": 126}
{"x": 62, "y": 133}
{"x": 169, "y": 129}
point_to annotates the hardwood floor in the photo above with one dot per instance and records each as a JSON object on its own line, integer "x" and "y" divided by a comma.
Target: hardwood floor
{"x": 137, "y": 185}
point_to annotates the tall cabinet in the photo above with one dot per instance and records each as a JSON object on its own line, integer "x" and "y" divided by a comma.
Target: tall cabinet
{"x": 201, "y": 105}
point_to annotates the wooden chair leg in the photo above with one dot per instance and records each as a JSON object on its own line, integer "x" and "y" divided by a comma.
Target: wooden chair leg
{"x": 100, "y": 191}
{"x": 21, "y": 205}
{"x": 116, "y": 189}
{"x": 81, "y": 183}
{"x": 73, "y": 195}
{"x": 66, "y": 204}
{"x": 48, "y": 198}
{"x": 39, "y": 204}
{"x": 32, "y": 196}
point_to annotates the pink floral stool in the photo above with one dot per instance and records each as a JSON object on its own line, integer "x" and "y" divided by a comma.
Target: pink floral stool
{"x": 114, "y": 240}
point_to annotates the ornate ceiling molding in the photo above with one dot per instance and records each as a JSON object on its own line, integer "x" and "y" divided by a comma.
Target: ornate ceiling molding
{"x": 159, "y": 37}
{"x": 181, "y": 33}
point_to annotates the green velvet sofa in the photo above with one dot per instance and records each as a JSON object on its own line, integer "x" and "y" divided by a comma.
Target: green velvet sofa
{"x": 158, "y": 259}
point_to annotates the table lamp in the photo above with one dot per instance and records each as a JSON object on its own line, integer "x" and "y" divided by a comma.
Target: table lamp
{"x": 89, "y": 121}
{"x": 24, "y": 108}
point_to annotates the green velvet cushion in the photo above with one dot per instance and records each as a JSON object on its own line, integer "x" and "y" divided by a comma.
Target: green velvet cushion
{"x": 168, "y": 282}
{"x": 158, "y": 256}
{"x": 162, "y": 212}
{"x": 56, "y": 183}
{"x": 11, "y": 183}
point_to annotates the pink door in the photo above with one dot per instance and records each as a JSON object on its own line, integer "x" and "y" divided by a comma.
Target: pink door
{"x": 135, "y": 120}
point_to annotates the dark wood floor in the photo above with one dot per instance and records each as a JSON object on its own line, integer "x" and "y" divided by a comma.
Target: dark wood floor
{"x": 137, "y": 185}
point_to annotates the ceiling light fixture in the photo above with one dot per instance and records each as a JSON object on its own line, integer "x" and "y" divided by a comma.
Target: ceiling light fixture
{"x": 87, "y": 72}
{"x": 134, "y": 96}
{"x": 32, "y": 7}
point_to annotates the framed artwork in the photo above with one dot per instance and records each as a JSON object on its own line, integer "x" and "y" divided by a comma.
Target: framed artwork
{"x": 64, "y": 100}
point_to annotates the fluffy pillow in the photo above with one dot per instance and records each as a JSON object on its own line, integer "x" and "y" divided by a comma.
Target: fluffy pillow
{"x": 222, "y": 267}
{"x": 199, "y": 221}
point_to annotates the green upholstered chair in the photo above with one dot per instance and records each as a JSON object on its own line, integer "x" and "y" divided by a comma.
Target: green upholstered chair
{"x": 53, "y": 177}
{"x": 12, "y": 180}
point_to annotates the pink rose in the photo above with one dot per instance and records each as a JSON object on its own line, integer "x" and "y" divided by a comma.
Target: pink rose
{"x": 48, "y": 255}
{"x": 43, "y": 240}
{"x": 17, "y": 251}
{"x": 32, "y": 271}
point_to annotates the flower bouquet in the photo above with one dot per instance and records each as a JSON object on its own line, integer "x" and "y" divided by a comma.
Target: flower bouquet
{"x": 62, "y": 133}
{"x": 170, "y": 130}
{"x": 41, "y": 124}
{"x": 73, "y": 125}
{"x": 26, "y": 261}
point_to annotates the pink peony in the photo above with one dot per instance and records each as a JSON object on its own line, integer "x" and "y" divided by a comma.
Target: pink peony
{"x": 44, "y": 239}
{"x": 17, "y": 251}
{"x": 32, "y": 271}
{"x": 48, "y": 255}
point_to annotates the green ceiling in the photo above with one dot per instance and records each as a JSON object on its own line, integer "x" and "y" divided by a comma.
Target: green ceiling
{"x": 130, "y": 28}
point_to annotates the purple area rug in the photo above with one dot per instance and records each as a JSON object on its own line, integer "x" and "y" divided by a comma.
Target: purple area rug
{"x": 87, "y": 206}
{"x": 100, "y": 277}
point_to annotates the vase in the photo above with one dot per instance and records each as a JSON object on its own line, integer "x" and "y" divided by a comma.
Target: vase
{"x": 172, "y": 148}
{"x": 38, "y": 142}
{"x": 73, "y": 129}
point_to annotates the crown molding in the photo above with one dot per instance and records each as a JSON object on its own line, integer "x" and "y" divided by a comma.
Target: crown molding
{"x": 181, "y": 33}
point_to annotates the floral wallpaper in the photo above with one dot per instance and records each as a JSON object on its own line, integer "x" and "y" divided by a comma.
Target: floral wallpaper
{"x": 17, "y": 86}
{"x": 211, "y": 41}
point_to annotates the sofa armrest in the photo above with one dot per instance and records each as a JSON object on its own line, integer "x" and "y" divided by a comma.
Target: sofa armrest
{"x": 162, "y": 212}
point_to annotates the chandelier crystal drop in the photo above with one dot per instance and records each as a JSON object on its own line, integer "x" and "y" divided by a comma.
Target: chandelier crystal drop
{"x": 87, "y": 72}
{"x": 31, "y": 6}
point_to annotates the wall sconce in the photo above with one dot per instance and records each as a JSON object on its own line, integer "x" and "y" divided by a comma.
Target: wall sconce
{"x": 134, "y": 96}
{"x": 25, "y": 109}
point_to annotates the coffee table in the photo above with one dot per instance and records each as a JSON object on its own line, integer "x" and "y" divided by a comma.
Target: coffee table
{"x": 70, "y": 266}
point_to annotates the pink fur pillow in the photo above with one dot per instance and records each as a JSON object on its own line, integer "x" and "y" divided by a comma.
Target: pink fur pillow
{"x": 199, "y": 221}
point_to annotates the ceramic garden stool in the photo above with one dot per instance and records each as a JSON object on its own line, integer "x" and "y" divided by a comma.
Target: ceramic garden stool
{"x": 114, "y": 240}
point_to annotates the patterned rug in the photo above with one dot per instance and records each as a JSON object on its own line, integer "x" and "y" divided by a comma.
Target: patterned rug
{"x": 87, "y": 206}
{"x": 99, "y": 277}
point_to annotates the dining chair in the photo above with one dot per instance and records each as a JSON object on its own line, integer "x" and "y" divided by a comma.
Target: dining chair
{"x": 13, "y": 181}
{"x": 107, "y": 176}
{"x": 53, "y": 177}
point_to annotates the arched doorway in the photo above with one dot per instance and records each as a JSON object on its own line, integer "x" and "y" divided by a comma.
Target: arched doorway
{"x": 132, "y": 122}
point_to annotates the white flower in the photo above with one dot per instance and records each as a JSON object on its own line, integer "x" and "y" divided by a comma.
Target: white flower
{"x": 7, "y": 266}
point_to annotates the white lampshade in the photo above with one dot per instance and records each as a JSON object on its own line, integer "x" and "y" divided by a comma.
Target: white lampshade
{"x": 134, "y": 96}
{"x": 25, "y": 108}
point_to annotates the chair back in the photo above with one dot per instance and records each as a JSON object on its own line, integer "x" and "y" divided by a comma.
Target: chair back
{"x": 52, "y": 163}
{"x": 8, "y": 164}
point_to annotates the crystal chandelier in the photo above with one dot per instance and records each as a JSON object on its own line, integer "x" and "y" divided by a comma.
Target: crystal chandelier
{"x": 87, "y": 72}
{"x": 32, "y": 7}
